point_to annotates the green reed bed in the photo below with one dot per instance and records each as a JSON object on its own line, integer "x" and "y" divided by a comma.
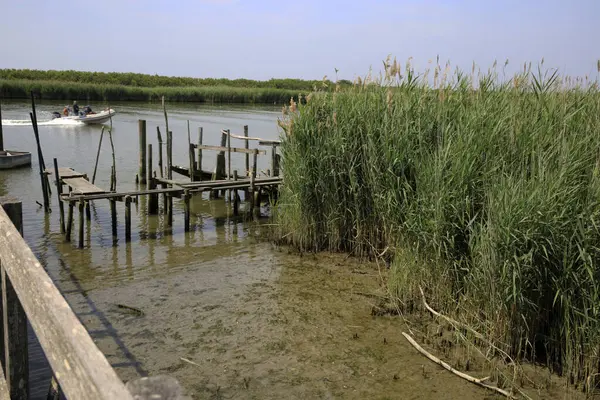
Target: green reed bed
{"x": 58, "y": 90}
{"x": 484, "y": 192}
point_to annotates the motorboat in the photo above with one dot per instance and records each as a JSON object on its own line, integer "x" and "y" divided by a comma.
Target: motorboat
{"x": 90, "y": 117}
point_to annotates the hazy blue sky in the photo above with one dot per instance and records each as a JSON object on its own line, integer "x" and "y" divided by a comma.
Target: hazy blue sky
{"x": 305, "y": 39}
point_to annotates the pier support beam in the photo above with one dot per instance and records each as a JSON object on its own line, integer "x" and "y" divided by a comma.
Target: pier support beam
{"x": 127, "y": 218}
{"x": 81, "y": 223}
{"x": 186, "y": 218}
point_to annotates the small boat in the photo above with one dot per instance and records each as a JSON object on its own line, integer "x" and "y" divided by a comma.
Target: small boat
{"x": 14, "y": 159}
{"x": 88, "y": 118}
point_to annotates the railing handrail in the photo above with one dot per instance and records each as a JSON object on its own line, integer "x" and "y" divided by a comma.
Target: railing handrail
{"x": 79, "y": 366}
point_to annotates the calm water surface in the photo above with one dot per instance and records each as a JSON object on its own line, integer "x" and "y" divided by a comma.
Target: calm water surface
{"x": 227, "y": 314}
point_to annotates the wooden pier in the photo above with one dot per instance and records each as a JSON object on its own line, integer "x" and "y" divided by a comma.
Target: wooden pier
{"x": 75, "y": 190}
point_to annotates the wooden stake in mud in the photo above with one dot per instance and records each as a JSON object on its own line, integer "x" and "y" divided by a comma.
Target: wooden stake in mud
{"x": 186, "y": 218}
{"x": 69, "y": 221}
{"x": 199, "y": 168}
{"x": 81, "y": 205}
{"x": 160, "y": 146}
{"x": 169, "y": 210}
{"x": 127, "y": 218}
{"x": 153, "y": 198}
{"x": 58, "y": 193}
{"x": 142, "y": 161}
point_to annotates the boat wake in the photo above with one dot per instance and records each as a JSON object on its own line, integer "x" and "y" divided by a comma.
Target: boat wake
{"x": 52, "y": 122}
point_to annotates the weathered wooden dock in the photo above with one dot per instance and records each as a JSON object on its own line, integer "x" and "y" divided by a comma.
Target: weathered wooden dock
{"x": 75, "y": 190}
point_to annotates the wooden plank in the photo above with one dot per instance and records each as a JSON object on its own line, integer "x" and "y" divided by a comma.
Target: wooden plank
{"x": 233, "y": 149}
{"x": 14, "y": 326}
{"x": 81, "y": 369}
{"x": 115, "y": 195}
{"x": 66, "y": 172}
{"x": 82, "y": 186}
{"x": 246, "y": 138}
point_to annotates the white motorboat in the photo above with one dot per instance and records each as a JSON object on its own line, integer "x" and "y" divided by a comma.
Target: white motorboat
{"x": 89, "y": 118}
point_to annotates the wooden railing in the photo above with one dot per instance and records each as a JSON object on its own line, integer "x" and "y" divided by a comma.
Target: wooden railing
{"x": 28, "y": 293}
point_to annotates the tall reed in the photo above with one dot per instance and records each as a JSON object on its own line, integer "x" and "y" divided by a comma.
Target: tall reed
{"x": 484, "y": 191}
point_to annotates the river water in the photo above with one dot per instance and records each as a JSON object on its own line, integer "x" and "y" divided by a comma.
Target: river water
{"x": 228, "y": 314}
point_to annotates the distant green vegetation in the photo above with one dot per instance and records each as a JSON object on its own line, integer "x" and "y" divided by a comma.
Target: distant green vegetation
{"x": 485, "y": 193}
{"x": 112, "y": 86}
{"x": 56, "y": 90}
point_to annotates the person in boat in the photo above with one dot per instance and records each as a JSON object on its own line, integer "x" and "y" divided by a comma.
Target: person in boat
{"x": 87, "y": 110}
{"x": 66, "y": 111}
{"x": 75, "y": 108}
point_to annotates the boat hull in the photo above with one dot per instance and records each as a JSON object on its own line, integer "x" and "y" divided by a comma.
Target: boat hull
{"x": 14, "y": 159}
{"x": 97, "y": 118}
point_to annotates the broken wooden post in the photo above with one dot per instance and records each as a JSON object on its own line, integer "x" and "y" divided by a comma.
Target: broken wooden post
{"x": 186, "y": 217}
{"x": 58, "y": 194}
{"x": 127, "y": 218}
{"x": 69, "y": 221}
{"x": 81, "y": 222}
{"x": 199, "y": 168}
{"x": 14, "y": 348}
{"x": 246, "y": 146}
{"x": 142, "y": 161}
{"x": 43, "y": 176}
{"x": 170, "y": 156}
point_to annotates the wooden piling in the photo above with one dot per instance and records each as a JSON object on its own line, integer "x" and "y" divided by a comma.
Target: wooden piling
{"x": 113, "y": 217}
{"x": 200, "y": 132}
{"x": 69, "y": 222}
{"x": 274, "y": 161}
{"x": 236, "y": 197}
{"x": 81, "y": 224}
{"x": 169, "y": 210}
{"x": 229, "y": 160}
{"x": 192, "y": 162}
{"x": 160, "y": 157}
{"x": 186, "y": 218}
{"x": 1, "y": 134}
{"x": 142, "y": 161}
{"x": 88, "y": 212}
{"x": 14, "y": 352}
{"x": 246, "y": 146}
{"x": 43, "y": 177}
{"x": 153, "y": 198}
{"x": 127, "y": 218}
{"x": 170, "y": 156}
{"x": 58, "y": 193}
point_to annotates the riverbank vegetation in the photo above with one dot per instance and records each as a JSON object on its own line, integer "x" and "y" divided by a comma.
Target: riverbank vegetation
{"x": 485, "y": 192}
{"x": 67, "y": 85}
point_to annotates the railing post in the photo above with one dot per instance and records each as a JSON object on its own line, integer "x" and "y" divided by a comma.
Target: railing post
{"x": 14, "y": 349}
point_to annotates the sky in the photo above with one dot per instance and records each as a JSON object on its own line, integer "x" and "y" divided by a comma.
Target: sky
{"x": 263, "y": 39}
